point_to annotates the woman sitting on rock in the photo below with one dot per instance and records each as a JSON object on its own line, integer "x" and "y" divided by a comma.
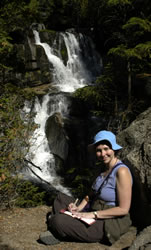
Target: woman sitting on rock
{"x": 108, "y": 205}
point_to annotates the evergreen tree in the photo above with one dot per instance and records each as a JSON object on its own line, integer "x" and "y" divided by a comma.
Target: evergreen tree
{"x": 133, "y": 51}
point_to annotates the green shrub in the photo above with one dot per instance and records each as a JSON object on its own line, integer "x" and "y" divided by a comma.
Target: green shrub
{"x": 14, "y": 134}
{"x": 29, "y": 195}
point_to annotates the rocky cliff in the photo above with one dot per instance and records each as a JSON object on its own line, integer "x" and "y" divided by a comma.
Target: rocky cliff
{"x": 136, "y": 141}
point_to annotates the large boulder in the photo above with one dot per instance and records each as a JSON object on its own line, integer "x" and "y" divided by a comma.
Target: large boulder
{"x": 56, "y": 135}
{"x": 136, "y": 142}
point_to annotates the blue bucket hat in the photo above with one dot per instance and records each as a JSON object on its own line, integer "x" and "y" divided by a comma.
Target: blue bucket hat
{"x": 108, "y": 136}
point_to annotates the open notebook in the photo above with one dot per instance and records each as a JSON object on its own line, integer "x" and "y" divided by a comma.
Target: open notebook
{"x": 86, "y": 220}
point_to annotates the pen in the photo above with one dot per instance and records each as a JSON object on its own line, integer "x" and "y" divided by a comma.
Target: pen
{"x": 76, "y": 201}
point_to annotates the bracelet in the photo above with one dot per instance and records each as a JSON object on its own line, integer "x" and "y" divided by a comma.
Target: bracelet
{"x": 95, "y": 214}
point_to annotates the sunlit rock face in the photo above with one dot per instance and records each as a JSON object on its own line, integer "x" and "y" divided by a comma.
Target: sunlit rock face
{"x": 136, "y": 142}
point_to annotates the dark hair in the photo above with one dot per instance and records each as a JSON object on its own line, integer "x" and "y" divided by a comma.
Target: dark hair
{"x": 106, "y": 142}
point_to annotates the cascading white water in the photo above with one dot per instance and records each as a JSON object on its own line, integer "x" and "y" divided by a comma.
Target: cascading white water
{"x": 67, "y": 79}
{"x": 73, "y": 76}
{"x": 75, "y": 63}
{"x": 39, "y": 153}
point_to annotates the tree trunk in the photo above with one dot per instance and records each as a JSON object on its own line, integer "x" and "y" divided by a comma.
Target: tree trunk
{"x": 129, "y": 85}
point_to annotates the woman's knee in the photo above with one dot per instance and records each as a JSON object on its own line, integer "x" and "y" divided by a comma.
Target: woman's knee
{"x": 56, "y": 222}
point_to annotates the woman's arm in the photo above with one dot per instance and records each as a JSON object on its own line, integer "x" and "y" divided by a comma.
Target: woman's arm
{"x": 124, "y": 193}
{"x": 72, "y": 207}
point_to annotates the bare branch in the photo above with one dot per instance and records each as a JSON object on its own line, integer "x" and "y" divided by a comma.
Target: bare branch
{"x": 33, "y": 164}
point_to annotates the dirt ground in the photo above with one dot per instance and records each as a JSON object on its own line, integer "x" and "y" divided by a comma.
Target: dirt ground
{"x": 20, "y": 229}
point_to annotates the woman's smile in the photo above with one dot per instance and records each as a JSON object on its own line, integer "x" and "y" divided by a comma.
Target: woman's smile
{"x": 105, "y": 153}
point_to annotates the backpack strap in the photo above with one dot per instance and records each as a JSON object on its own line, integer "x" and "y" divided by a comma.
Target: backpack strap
{"x": 118, "y": 164}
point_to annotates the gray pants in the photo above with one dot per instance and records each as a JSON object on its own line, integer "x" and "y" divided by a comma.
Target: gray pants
{"x": 68, "y": 228}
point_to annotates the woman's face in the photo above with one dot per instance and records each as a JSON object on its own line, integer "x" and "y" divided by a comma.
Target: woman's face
{"x": 105, "y": 153}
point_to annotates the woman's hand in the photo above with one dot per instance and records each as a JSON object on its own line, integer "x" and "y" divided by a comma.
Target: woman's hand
{"x": 72, "y": 207}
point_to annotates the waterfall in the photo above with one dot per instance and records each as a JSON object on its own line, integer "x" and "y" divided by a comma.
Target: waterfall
{"x": 73, "y": 76}
{"x": 39, "y": 153}
{"x": 66, "y": 78}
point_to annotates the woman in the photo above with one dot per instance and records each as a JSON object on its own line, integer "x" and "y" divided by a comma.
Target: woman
{"x": 109, "y": 205}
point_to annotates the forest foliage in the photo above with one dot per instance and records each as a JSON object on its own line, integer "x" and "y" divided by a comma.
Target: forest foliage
{"x": 121, "y": 31}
